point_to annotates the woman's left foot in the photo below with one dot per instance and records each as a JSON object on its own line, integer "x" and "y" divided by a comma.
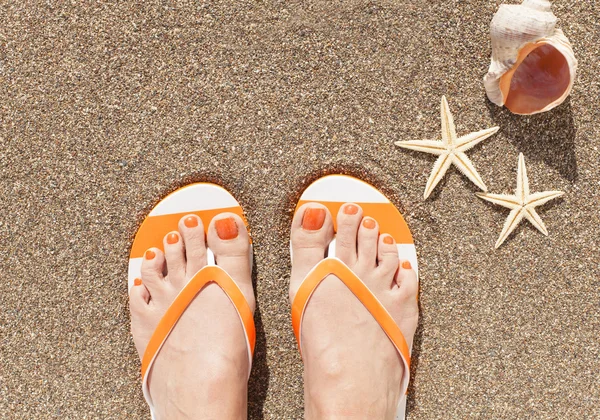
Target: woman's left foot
{"x": 351, "y": 368}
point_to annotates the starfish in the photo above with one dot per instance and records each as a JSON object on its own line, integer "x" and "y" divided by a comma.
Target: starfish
{"x": 522, "y": 203}
{"x": 451, "y": 150}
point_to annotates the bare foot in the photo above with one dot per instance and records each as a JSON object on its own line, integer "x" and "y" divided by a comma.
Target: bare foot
{"x": 201, "y": 372}
{"x": 351, "y": 368}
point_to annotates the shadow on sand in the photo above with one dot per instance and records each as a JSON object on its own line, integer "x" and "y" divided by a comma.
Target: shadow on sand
{"x": 258, "y": 383}
{"x": 549, "y": 136}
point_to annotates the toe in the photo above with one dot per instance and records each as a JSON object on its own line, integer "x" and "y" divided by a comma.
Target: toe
{"x": 368, "y": 233}
{"x": 192, "y": 231}
{"x": 348, "y": 222}
{"x": 153, "y": 265}
{"x": 387, "y": 255}
{"x": 175, "y": 258}
{"x": 228, "y": 238}
{"x": 139, "y": 297}
{"x": 312, "y": 231}
{"x": 406, "y": 279}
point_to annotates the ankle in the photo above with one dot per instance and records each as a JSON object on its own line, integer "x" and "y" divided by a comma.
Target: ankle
{"x": 338, "y": 393}
{"x": 351, "y": 400}
{"x": 328, "y": 408}
{"x": 217, "y": 390}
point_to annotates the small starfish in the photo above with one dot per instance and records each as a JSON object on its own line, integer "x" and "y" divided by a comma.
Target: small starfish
{"x": 522, "y": 204}
{"x": 450, "y": 150}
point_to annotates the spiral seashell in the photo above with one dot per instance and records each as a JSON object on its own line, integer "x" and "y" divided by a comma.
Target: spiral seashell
{"x": 533, "y": 66}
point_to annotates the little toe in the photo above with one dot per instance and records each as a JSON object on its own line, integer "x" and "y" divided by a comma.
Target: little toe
{"x": 312, "y": 231}
{"x": 139, "y": 296}
{"x": 228, "y": 238}
{"x": 348, "y": 222}
{"x": 175, "y": 258}
{"x": 387, "y": 256}
{"x": 139, "y": 305}
{"x": 152, "y": 269}
{"x": 192, "y": 231}
{"x": 368, "y": 233}
{"x": 406, "y": 280}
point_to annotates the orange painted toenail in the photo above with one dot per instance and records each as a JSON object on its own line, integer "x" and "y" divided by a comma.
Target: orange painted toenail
{"x": 190, "y": 221}
{"x": 350, "y": 209}
{"x": 369, "y": 223}
{"x": 388, "y": 240}
{"x": 406, "y": 265}
{"x": 137, "y": 282}
{"x": 150, "y": 254}
{"x": 313, "y": 219}
{"x": 172, "y": 238}
{"x": 226, "y": 228}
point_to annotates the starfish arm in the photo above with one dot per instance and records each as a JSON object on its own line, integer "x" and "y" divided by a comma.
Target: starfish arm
{"x": 508, "y": 201}
{"x": 535, "y": 220}
{"x": 448, "y": 128}
{"x": 513, "y": 220}
{"x": 522, "y": 180}
{"x": 427, "y": 146}
{"x": 542, "y": 198}
{"x": 437, "y": 173}
{"x": 464, "y": 164}
{"x": 470, "y": 140}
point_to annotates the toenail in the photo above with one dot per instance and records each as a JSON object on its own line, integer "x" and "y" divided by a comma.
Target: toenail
{"x": 313, "y": 219}
{"x": 137, "y": 282}
{"x": 172, "y": 238}
{"x": 190, "y": 221}
{"x": 350, "y": 209}
{"x": 226, "y": 228}
{"x": 369, "y": 223}
{"x": 388, "y": 240}
{"x": 406, "y": 265}
{"x": 150, "y": 254}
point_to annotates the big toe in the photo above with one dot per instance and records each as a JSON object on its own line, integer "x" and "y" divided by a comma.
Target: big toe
{"x": 312, "y": 231}
{"x": 228, "y": 239}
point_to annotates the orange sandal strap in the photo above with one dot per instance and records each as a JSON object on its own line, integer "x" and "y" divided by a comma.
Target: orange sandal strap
{"x": 208, "y": 274}
{"x": 336, "y": 267}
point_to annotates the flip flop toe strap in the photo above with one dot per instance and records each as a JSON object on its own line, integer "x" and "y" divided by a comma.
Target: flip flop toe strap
{"x": 336, "y": 267}
{"x": 209, "y": 274}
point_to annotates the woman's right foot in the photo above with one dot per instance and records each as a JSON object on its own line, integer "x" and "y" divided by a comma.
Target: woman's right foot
{"x": 351, "y": 368}
{"x": 202, "y": 369}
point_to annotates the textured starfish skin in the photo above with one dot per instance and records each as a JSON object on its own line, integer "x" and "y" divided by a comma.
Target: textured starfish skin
{"x": 451, "y": 150}
{"x": 522, "y": 204}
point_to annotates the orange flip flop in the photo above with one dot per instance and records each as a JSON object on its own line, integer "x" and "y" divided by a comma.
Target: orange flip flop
{"x": 206, "y": 201}
{"x": 333, "y": 191}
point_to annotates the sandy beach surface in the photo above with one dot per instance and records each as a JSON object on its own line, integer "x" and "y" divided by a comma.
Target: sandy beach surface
{"x": 106, "y": 106}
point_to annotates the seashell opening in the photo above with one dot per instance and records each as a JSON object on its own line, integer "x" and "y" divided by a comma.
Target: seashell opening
{"x": 539, "y": 80}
